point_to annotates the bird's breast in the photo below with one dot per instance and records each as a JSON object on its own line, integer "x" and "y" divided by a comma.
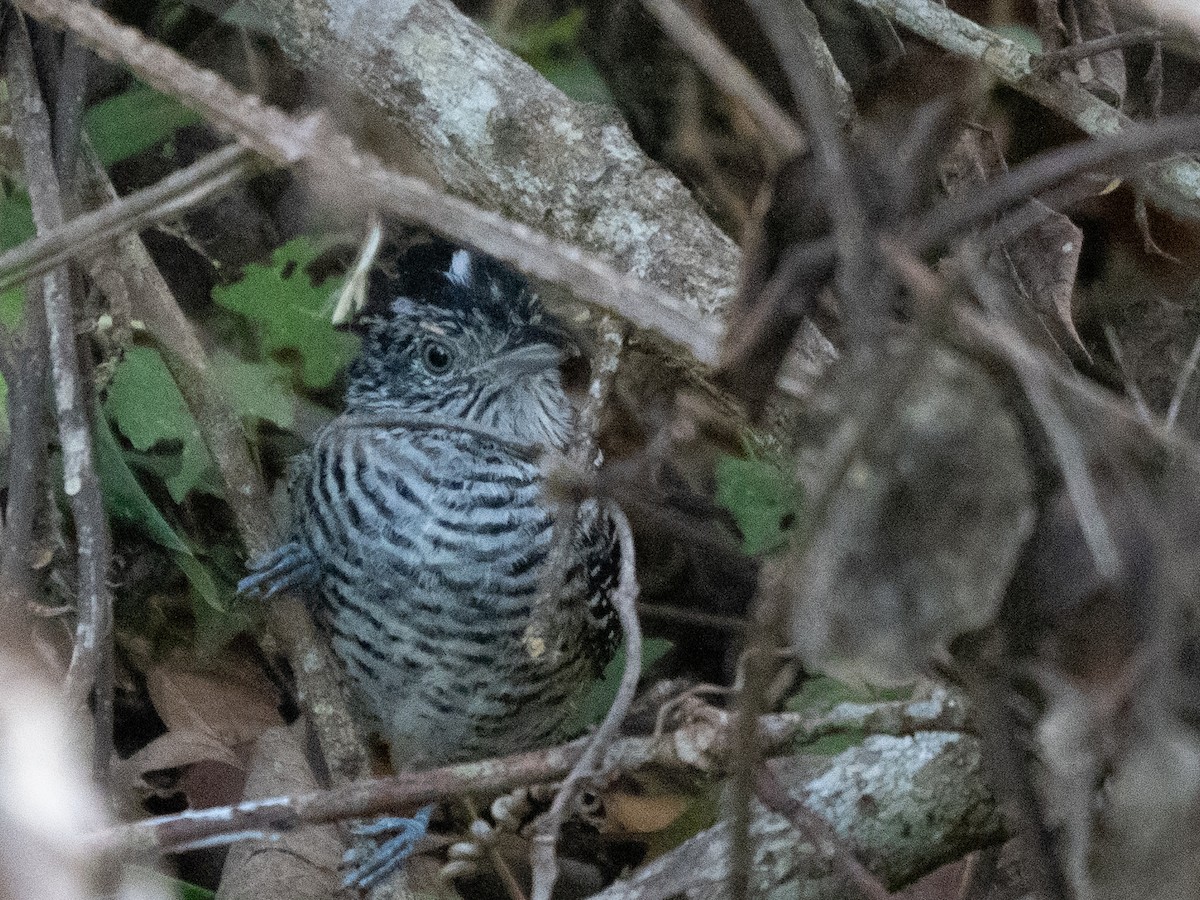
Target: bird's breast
{"x": 433, "y": 544}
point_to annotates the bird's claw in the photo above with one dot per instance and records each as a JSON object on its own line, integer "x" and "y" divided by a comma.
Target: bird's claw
{"x": 376, "y": 859}
{"x": 282, "y": 569}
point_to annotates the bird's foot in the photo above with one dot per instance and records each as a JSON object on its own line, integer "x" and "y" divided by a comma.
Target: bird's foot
{"x": 282, "y": 569}
{"x": 380, "y": 855}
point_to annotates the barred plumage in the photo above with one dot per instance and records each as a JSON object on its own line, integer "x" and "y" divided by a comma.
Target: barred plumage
{"x": 420, "y": 518}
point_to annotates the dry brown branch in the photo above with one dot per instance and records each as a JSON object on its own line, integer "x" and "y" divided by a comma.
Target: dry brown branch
{"x": 1175, "y": 184}
{"x": 703, "y": 745}
{"x": 543, "y": 854}
{"x": 90, "y": 673}
{"x": 199, "y": 183}
{"x": 714, "y": 59}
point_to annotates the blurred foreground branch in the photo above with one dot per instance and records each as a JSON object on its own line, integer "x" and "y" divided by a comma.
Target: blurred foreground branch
{"x": 1174, "y": 184}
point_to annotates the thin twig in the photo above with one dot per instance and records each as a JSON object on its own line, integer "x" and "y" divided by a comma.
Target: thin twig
{"x": 727, "y": 72}
{"x": 1069, "y": 452}
{"x": 1181, "y": 386}
{"x": 760, "y": 663}
{"x": 818, "y": 832}
{"x": 90, "y": 672}
{"x": 1136, "y": 397}
{"x": 548, "y": 619}
{"x": 204, "y": 180}
{"x": 543, "y": 853}
{"x": 1048, "y": 62}
{"x": 27, "y": 386}
{"x": 858, "y": 265}
{"x": 675, "y": 615}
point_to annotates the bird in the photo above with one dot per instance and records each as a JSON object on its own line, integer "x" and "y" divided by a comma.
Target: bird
{"x": 422, "y": 526}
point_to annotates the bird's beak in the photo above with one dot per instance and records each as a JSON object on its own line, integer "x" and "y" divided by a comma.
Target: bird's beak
{"x": 528, "y": 360}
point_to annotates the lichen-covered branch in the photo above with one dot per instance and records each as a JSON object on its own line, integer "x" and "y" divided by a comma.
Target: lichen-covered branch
{"x": 905, "y": 804}
{"x": 498, "y": 133}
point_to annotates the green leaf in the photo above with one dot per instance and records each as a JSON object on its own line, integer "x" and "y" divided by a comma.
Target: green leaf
{"x": 553, "y": 49}
{"x": 16, "y": 220}
{"x": 147, "y": 406}
{"x": 821, "y": 694}
{"x": 762, "y": 499}
{"x": 124, "y": 497}
{"x": 576, "y": 77}
{"x": 136, "y": 120}
{"x": 1021, "y": 34}
{"x": 12, "y": 308}
{"x": 16, "y": 227}
{"x": 256, "y": 390}
{"x": 293, "y": 312}
{"x": 594, "y": 707}
{"x": 162, "y": 885}
{"x": 220, "y": 614}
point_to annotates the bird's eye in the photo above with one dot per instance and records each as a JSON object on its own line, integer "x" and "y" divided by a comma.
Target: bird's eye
{"x": 437, "y": 357}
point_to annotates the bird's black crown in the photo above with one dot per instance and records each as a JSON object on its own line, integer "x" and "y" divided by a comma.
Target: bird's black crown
{"x": 456, "y": 283}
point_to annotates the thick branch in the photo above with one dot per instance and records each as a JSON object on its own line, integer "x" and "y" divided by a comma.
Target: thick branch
{"x": 341, "y": 170}
{"x": 499, "y": 134}
{"x": 927, "y": 805}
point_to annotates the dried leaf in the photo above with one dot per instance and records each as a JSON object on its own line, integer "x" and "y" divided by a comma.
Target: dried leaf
{"x": 230, "y": 701}
{"x": 176, "y": 749}
{"x": 1103, "y": 74}
{"x": 637, "y": 814}
{"x": 1045, "y": 257}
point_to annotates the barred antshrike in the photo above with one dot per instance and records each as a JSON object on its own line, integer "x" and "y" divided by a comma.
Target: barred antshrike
{"x": 422, "y": 529}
